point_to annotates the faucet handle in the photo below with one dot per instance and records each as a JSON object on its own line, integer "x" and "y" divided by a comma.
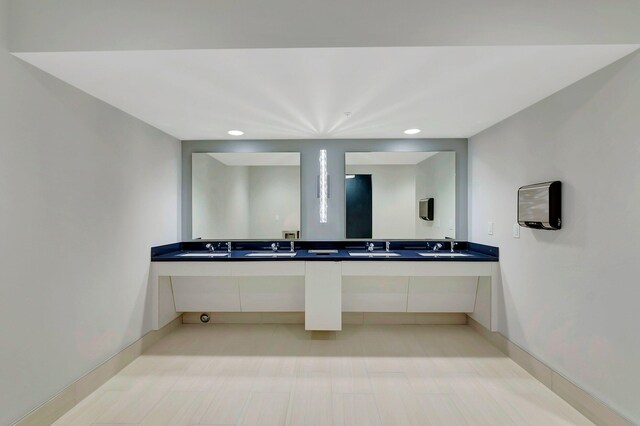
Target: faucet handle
{"x": 209, "y": 247}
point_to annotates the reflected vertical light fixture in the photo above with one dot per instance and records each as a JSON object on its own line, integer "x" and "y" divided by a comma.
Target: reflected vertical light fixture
{"x": 323, "y": 186}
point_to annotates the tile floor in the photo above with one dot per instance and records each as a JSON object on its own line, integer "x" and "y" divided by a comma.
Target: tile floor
{"x": 368, "y": 375}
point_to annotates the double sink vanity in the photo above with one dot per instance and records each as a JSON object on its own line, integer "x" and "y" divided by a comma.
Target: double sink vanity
{"x": 323, "y": 279}
{"x": 224, "y": 250}
{"x": 398, "y": 213}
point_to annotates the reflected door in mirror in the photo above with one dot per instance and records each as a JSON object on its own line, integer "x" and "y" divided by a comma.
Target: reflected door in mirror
{"x": 359, "y": 205}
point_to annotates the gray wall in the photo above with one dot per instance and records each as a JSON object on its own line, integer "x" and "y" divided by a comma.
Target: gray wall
{"x": 311, "y": 227}
{"x": 85, "y": 190}
{"x": 570, "y": 297}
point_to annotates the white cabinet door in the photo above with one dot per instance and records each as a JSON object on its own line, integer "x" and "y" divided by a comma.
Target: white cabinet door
{"x": 374, "y": 294}
{"x": 323, "y": 296}
{"x": 206, "y": 294}
{"x": 442, "y": 294}
{"x": 272, "y": 294}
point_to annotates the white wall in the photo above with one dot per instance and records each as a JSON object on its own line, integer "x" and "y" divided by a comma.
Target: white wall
{"x": 571, "y": 297}
{"x": 436, "y": 178}
{"x": 85, "y": 191}
{"x": 393, "y": 189}
{"x": 274, "y": 193}
{"x": 220, "y": 199}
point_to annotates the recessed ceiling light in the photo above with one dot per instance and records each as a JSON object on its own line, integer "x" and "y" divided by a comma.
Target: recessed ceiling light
{"x": 412, "y": 131}
{"x": 236, "y": 132}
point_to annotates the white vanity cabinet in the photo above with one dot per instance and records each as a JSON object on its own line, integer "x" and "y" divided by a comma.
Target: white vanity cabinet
{"x": 240, "y": 287}
{"x": 411, "y": 286}
{"x": 325, "y": 289}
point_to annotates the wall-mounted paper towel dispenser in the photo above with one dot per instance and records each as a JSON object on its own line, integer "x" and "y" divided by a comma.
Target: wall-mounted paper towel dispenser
{"x": 539, "y": 205}
{"x": 425, "y": 210}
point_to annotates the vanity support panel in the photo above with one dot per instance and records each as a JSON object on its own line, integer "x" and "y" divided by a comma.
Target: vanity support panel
{"x": 323, "y": 296}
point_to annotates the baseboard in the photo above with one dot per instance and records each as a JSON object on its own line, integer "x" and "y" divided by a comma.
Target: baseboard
{"x": 590, "y": 406}
{"x": 53, "y": 409}
{"x": 351, "y": 318}
{"x": 403, "y": 318}
{"x": 245, "y": 318}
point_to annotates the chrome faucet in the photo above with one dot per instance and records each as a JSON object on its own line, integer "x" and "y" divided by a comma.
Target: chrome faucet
{"x": 229, "y": 246}
{"x": 210, "y": 247}
{"x": 275, "y": 246}
{"x": 370, "y": 246}
{"x": 292, "y": 246}
{"x": 387, "y": 246}
{"x": 437, "y": 246}
{"x": 453, "y": 244}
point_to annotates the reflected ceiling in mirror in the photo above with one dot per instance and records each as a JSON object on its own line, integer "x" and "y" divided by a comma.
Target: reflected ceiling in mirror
{"x": 246, "y": 195}
{"x": 383, "y": 191}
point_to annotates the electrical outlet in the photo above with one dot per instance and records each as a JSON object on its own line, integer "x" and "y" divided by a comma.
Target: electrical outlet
{"x": 490, "y": 228}
{"x": 516, "y": 230}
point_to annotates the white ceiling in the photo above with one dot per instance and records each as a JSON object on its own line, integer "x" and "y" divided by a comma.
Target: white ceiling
{"x": 304, "y": 93}
{"x": 386, "y": 158}
{"x": 257, "y": 158}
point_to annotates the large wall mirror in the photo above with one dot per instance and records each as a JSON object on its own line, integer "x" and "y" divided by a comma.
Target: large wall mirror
{"x": 398, "y": 195}
{"x": 246, "y": 195}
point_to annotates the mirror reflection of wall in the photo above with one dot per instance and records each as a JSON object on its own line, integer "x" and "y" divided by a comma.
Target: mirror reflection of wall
{"x": 390, "y": 202}
{"x": 246, "y": 195}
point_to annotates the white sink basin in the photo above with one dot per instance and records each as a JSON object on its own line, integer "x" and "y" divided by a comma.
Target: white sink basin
{"x": 443, "y": 254}
{"x": 271, "y": 254}
{"x": 203, "y": 254}
{"x": 373, "y": 254}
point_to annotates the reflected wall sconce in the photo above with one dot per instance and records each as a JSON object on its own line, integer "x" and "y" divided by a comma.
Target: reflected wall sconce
{"x": 323, "y": 186}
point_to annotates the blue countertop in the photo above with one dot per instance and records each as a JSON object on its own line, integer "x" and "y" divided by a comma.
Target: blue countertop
{"x": 407, "y": 250}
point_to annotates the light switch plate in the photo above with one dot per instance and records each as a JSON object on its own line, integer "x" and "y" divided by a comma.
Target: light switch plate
{"x": 516, "y": 230}
{"x": 490, "y": 228}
